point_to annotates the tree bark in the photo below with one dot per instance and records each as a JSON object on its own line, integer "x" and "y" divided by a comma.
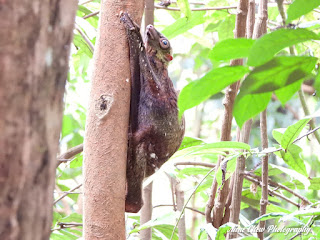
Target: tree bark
{"x": 105, "y": 147}
{"x": 35, "y": 40}
{"x": 146, "y": 210}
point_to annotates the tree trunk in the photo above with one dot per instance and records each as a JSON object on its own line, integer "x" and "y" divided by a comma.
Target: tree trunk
{"x": 105, "y": 146}
{"x": 35, "y": 38}
{"x": 146, "y": 210}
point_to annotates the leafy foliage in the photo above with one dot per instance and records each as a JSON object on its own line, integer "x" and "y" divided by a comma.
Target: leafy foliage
{"x": 269, "y": 73}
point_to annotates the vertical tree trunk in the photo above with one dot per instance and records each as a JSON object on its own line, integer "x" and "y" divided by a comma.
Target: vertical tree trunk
{"x": 105, "y": 147}
{"x": 146, "y": 210}
{"x": 35, "y": 38}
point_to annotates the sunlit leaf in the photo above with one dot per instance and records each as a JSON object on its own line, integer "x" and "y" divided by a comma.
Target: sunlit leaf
{"x": 184, "y": 24}
{"x": 277, "y": 73}
{"x": 299, "y": 213}
{"x": 293, "y": 132}
{"x": 284, "y": 94}
{"x": 184, "y": 7}
{"x": 73, "y": 217}
{"x": 265, "y": 217}
{"x": 248, "y": 106}
{"x": 189, "y": 142}
{"x": 231, "y": 49}
{"x": 301, "y": 7}
{"x": 268, "y": 45}
{"x": 211, "y": 83}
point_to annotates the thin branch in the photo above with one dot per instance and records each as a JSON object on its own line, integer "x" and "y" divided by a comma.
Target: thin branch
{"x": 70, "y": 153}
{"x": 204, "y": 164}
{"x": 279, "y": 185}
{"x": 85, "y": 2}
{"x": 91, "y": 14}
{"x": 196, "y": 9}
{"x": 299, "y": 138}
{"x": 86, "y": 39}
{"x": 66, "y": 194}
{"x": 307, "y": 113}
{"x": 251, "y": 179}
{"x": 250, "y": 174}
{"x": 66, "y": 225}
{"x": 170, "y": 205}
{"x": 309, "y": 224}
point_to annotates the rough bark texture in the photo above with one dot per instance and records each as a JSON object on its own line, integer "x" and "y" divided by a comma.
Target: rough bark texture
{"x": 182, "y": 233}
{"x": 238, "y": 179}
{"x": 260, "y": 29}
{"x": 146, "y": 210}
{"x": 105, "y": 147}
{"x": 35, "y": 40}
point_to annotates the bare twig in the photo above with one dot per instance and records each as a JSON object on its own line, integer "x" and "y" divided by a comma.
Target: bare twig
{"x": 66, "y": 225}
{"x": 307, "y": 113}
{"x": 70, "y": 153}
{"x": 86, "y": 39}
{"x": 196, "y": 9}
{"x": 170, "y": 205}
{"x": 85, "y": 2}
{"x": 91, "y": 14}
{"x": 250, "y": 174}
{"x": 66, "y": 194}
{"x": 279, "y": 185}
{"x": 271, "y": 191}
{"x": 204, "y": 164}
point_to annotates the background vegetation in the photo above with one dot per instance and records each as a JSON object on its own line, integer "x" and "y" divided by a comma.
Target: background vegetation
{"x": 203, "y": 46}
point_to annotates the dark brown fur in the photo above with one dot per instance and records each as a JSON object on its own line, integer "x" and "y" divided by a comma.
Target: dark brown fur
{"x": 155, "y": 132}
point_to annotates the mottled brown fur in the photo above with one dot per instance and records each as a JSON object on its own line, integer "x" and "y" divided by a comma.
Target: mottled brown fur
{"x": 155, "y": 132}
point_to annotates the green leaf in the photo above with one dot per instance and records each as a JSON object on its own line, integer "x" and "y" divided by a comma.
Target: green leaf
{"x": 222, "y": 230}
{"x": 293, "y": 132}
{"x": 305, "y": 212}
{"x": 231, "y": 49}
{"x": 184, "y": 7}
{"x": 56, "y": 236}
{"x": 268, "y": 45}
{"x": 80, "y": 43}
{"x": 292, "y": 155}
{"x": 165, "y": 219}
{"x": 73, "y": 217}
{"x": 167, "y": 230}
{"x": 301, "y": 7}
{"x": 293, "y": 159}
{"x": 184, "y": 24}
{"x": 315, "y": 183}
{"x": 227, "y": 145}
{"x": 284, "y": 94}
{"x": 265, "y": 217}
{"x": 293, "y": 174}
{"x": 317, "y": 83}
{"x": 278, "y": 133}
{"x": 77, "y": 162}
{"x": 211, "y": 83}
{"x": 248, "y": 238}
{"x": 231, "y": 167}
{"x": 277, "y": 73}
{"x": 189, "y": 142}
{"x": 226, "y": 27}
{"x": 248, "y": 106}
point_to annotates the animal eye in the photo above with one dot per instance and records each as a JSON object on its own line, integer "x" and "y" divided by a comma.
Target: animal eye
{"x": 164, "y": 43}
